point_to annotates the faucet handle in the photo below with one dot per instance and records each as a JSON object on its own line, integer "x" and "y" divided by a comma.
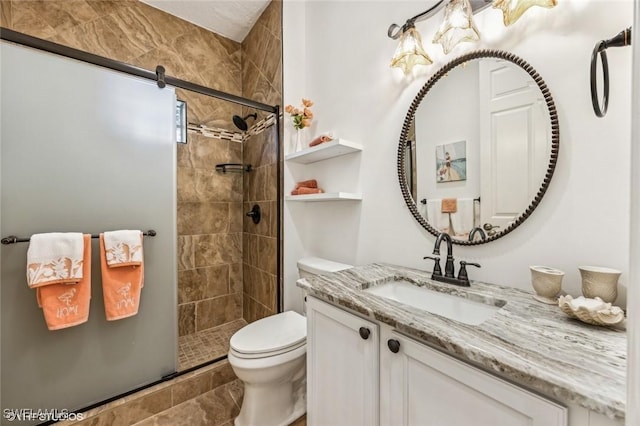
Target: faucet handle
{"x": 436, "y": 266}
{"x": 462, "y": 275}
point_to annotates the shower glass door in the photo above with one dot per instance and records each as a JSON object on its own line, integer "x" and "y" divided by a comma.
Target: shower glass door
{"x": 84, "y": 149}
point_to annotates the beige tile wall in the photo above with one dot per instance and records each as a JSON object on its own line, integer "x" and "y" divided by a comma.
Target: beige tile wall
{"x": 262, "y": 81}
{"x": 209, "y": 235}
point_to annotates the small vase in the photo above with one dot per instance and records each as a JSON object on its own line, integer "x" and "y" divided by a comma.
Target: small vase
{"x": 600, "y": 282}
{"x": 299, "y": 146}
{"x": 547, "y": 283}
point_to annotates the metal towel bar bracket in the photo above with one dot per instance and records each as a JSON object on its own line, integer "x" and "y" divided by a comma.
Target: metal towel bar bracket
{"x": 12, "y": 239}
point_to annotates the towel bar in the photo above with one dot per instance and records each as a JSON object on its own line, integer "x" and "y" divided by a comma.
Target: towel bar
{"x": 12, "y": 239}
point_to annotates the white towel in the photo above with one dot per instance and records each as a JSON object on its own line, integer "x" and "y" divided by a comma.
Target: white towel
{"x": 463, "y": 219}
{"x": 123, "y": 248}
{"x": 436, "y": 218}
{"x": 55, "y": 258}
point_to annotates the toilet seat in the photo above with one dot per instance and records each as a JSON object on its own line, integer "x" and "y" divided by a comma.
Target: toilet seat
{"x": 270, "y": 336}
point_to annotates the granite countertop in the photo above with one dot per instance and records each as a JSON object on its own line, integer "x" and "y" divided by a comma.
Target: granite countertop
{"x": 528, "y": 342}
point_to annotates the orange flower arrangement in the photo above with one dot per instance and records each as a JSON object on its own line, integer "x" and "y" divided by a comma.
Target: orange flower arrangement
{"x": 301, "y": 117}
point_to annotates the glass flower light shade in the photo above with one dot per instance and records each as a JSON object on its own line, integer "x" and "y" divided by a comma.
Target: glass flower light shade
{"x": 512, "y": 10}
{"x": 457, "y": 26}
{"x": 410, "y": 52}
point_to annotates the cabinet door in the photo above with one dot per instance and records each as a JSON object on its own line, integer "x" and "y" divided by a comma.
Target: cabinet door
{"x": 342, "y": 367}
{"x": 422, "y": 386}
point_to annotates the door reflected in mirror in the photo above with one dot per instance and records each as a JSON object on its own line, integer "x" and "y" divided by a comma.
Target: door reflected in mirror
{"x": 479, "y": 147}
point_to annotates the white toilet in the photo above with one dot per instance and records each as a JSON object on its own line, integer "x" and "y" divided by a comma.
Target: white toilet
{"x": 269, "y": 356}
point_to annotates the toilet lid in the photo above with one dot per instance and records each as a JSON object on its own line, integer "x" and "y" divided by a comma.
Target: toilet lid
{"x": 270, "y": 334}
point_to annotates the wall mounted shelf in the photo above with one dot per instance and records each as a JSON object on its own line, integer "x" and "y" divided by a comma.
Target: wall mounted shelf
{"x": 328, "y": 196}
{"x": 334, "y": 148}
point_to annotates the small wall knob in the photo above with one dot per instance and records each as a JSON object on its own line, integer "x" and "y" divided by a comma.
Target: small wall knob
{"x": 394, "y": 345}
{"x": 365, "y": 332}
{"x": 255, "y": 214}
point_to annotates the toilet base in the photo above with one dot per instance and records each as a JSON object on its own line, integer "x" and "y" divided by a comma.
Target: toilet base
{"x": 266, "y": 405}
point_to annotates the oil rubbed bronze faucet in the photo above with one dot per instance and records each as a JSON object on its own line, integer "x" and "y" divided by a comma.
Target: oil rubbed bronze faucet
{"x": 479, "y": 231}
{"x": 449, "y": 268}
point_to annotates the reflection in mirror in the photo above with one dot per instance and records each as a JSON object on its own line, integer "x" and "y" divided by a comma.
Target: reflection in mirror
{"x": 480, "y": 148}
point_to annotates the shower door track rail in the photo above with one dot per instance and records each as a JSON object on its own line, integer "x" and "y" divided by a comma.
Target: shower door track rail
{"x": 159, "y": 77}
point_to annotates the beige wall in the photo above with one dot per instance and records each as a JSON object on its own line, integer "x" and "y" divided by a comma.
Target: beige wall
{"x": 262, "y": 81}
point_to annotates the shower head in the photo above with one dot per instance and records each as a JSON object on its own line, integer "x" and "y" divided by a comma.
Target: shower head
{"x": 241, "y": 123}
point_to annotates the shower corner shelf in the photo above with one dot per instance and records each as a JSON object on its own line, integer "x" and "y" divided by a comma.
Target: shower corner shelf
{"x": 327, "y": 196}
{"x": 324, "y": 151}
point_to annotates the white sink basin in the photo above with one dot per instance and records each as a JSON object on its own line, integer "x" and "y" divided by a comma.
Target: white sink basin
{"x": 452, "y": 307}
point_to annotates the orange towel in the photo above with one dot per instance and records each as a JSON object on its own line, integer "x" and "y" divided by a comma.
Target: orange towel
{"x": 311, "y": 183}
{"x": 66, "y": 305}
{"x": 304, "y": 190}
{"x": 449, "y": 205}
{"x": 319, "y": 140}
{"x": 121, "y": 286}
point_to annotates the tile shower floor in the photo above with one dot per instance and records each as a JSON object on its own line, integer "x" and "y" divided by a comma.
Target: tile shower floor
{"x": 206, "y": 345}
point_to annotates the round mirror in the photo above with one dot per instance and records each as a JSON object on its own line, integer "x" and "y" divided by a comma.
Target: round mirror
{"x": 478, "y": 147}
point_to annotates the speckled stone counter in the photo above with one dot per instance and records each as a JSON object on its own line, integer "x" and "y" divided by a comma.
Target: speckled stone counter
{"x": 528, "y": 342}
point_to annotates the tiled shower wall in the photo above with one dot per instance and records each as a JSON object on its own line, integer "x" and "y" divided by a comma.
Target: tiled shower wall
{"x": 262, "y": 81}
{"x": 209, "y": 203}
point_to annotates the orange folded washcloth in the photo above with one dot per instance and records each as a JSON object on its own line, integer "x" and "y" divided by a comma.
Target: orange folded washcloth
{"x": 66, "y": 305}
{"x": 303, "y": 190}
{"x": 319, "y": 140}
{"x": 449, "y": 205}
{"x": 121, "y": 285}
{"x": 311, "y": 183}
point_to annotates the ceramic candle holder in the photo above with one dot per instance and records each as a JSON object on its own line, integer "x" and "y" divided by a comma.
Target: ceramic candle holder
{"x": 547, "y": 283}
{"x": 598, "y": 281}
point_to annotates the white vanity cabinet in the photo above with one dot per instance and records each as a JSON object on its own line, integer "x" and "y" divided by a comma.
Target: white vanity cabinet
{"x": 358, "y": 381}
{"x": 342, "y": 367}
{"x": 422, "y": 386}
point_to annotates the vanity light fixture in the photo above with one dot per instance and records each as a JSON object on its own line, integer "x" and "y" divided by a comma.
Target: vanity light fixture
{"x": 410, "y": 51}
{"x": 512, "y": 10}
{"x": 457, "y": 27}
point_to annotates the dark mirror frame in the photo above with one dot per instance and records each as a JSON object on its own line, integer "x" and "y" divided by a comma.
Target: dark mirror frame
{"x": 555, "y": 139}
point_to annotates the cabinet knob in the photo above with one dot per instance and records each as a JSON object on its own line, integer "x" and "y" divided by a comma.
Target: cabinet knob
{"x": 365, "y": 332}
{"x": 394, "y": 345}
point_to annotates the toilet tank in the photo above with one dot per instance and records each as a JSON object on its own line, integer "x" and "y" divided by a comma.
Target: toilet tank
{"x": 313, "y": 266}
{"x": 310, "y": 266}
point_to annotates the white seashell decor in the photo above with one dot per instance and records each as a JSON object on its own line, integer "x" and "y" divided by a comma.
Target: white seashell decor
{"x": 592, "y": 311}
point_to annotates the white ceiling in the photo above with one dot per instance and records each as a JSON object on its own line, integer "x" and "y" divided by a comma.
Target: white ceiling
{"x": 231, "y": 19}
